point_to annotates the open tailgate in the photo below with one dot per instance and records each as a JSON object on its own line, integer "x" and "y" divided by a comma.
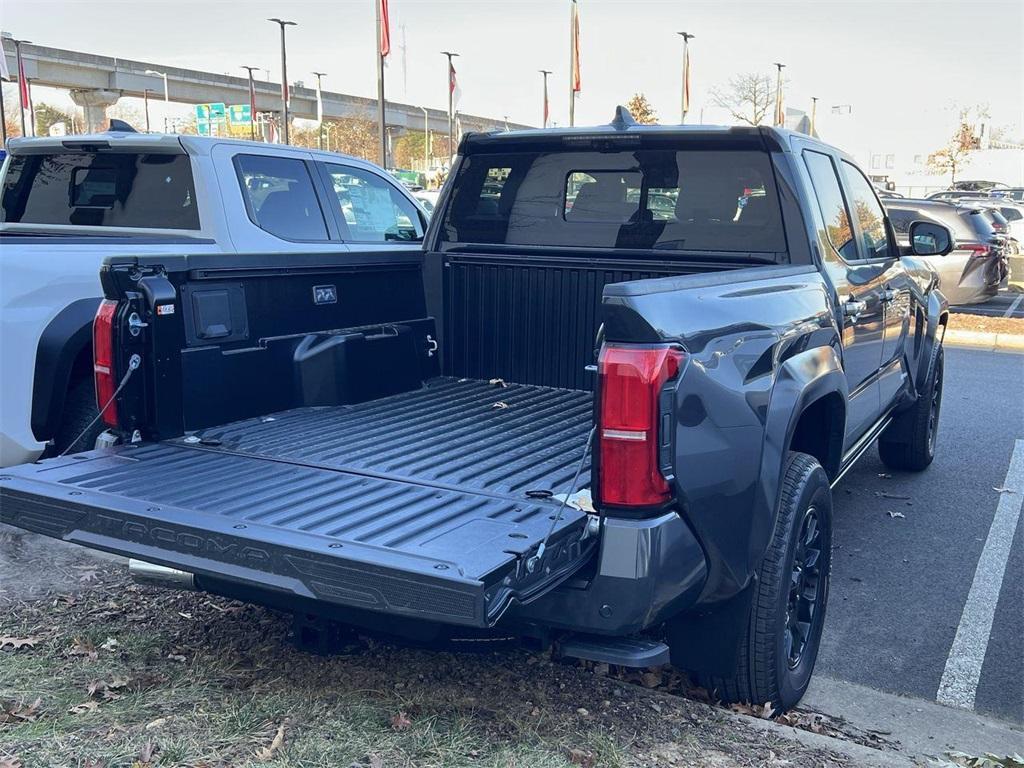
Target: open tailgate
{"x": 346, "y": 537}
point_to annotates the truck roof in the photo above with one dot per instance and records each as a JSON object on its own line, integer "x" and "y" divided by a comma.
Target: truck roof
{"x": 131, "y": 141}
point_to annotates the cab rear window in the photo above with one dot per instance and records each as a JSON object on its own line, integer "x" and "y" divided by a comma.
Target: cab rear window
{"x": 101, "y": 189}
{"x": 690, "y": 200}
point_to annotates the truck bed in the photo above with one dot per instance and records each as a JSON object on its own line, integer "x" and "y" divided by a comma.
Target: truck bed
{"x": 414, "y": 504}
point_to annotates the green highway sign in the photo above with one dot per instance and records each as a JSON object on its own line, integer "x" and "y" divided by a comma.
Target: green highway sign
{"x": 240, "y": 114}
{"x": 210, "y": 111}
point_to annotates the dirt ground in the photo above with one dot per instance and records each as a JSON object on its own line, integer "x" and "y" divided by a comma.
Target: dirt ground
{"x": 97, "y": 671}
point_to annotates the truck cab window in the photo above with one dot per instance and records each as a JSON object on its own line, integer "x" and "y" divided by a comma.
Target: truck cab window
{"x": 101, "y": 189}
{"x": 830, "y": 201}
{"x": 280, "y": 197}
{"x": 870, "y": 216}
{"x": 373, "y": 209}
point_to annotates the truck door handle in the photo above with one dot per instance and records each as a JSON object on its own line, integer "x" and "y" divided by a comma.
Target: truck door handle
{"x": 888, "y": 294}
{"x": 853, "y": 308}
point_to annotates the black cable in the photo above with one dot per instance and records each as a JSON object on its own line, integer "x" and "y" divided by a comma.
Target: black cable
{"x": 531, "y": 563}
{"x": 134, "y": 362}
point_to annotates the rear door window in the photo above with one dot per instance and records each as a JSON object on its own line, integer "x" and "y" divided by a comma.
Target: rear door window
{"x": 373, "y": 209}
{"x": 717, "y": 200}
{"x": 280, "y": 197}
{"x": 101, "y": 189}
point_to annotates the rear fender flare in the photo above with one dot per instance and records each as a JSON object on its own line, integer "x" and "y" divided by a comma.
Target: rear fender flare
{"x": 60, "y": 344}
{"x": 801, "y": 380}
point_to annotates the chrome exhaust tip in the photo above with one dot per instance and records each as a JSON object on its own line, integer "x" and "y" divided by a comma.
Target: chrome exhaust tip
{"x": 160, "y": 575}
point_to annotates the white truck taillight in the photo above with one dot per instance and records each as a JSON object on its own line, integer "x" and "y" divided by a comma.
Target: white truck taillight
{"x": 631, "y": 380}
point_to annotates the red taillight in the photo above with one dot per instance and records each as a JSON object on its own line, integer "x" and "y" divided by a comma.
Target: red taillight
{"x": 631, "y": 380}
{"x": 103, "y": 359}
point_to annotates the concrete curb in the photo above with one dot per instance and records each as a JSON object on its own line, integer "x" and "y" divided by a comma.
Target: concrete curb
{"x": 985, "y": 340}
{"x": 857, "y": 753}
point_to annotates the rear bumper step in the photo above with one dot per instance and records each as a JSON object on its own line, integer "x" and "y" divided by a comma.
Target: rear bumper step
{"x": 457, "y": 577}
{"x": 636, "y": 652}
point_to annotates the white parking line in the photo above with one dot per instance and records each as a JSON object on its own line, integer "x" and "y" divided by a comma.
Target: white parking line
{"x": 963, "y": 667}
{"x": 1013, "y": 307}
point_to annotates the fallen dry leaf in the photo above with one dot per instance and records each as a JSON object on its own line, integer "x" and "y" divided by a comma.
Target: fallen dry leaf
{"x": 147, "y": 753}
{"x": 156, "y": 723}
{"x": 497, "y": 383}
{"x": 12, "y": 711}
{"x": 267, "y": 753}
{"x": 500, "y": 404}
{"x": 17, "y": 643}
{"x": 84, "y": 648}
{"x": 651, "y": 679}
{"x": 10, "y": 762}
{"x": 582, "y": 757}
{"x": 85, "y": 706}
{"x": 108, "y": 690}
{"x": 109, "y": 644}
{"x": 400, "y": 721}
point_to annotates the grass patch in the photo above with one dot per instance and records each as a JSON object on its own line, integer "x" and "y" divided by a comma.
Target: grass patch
{"x": 135, "y": 677}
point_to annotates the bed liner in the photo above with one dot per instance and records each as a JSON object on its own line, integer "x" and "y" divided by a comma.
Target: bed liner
{"x": 415, "y": 504}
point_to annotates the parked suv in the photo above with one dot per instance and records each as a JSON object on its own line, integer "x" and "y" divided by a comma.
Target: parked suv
{"x": 578, "y": 414}
{"x": 69, "y": 202}
{"x": 977, "y": 264}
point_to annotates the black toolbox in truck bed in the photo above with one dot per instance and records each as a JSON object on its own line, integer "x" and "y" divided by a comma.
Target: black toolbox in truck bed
{"x": 413, "y": 505}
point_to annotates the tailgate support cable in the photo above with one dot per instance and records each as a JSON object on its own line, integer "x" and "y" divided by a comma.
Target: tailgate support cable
{"x": 133, "y": 362}
{"x": 531, "y": 564}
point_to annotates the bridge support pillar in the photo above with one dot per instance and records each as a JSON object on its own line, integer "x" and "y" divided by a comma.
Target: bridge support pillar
{"x": 95, "y": 103}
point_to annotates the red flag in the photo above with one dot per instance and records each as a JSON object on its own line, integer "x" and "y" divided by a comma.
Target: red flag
{"x": 23, "y": 95}
{"x": 686, "y": 82}
{"x": 453, "y": 85}
{"x": 385, "y": 29}
{"x": 576, "y": 84}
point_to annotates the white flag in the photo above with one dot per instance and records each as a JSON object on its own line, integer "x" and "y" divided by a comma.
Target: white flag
{"x": 5, "y": 73}
{"x": 453, "y": 86}
{"x": 319, "y": 105}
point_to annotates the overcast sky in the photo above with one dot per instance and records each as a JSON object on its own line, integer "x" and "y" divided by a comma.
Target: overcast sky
{"x": 902, "y": 65}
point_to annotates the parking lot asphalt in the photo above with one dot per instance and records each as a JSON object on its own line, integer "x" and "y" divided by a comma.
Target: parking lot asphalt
{"x": 1006, "y": 304}
{"x": 900, "y": 584}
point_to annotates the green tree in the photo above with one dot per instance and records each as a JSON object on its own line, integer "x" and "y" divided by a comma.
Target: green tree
{"x": 47, "y": 115}
{"x": 641, "y": 110}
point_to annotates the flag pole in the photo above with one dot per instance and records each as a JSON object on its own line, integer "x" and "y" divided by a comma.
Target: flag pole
{"x": 685, "y": 95}
{"x": 451, "y": 104}
{"x": 572, "y": 62}
{"x": 780, "y": 118}
{"x": 381, "y": 53}
{"x": 544, "y": 73}
{"x": 22, "y": 85}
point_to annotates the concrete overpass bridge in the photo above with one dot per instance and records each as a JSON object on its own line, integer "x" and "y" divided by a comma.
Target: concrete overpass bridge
{"x": 97, "y": 82}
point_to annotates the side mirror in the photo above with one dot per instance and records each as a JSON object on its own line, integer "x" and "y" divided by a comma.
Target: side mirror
{"x": 928, "y": 238}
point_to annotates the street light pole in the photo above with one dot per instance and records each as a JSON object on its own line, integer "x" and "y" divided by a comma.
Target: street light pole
{"x": 145, "y": 101}
{"x": 685, "y": 94}
{"x": 451, "y": 108}
{"x": 544, "y": 73}
{"x": 814, "y": 113}
{"x": 319, "y": 110}
{"x": 167, "y": 98}
{"x": 426, "y": 139}
{"x": 284, "y": 78}
{"x": 252, "y": 101}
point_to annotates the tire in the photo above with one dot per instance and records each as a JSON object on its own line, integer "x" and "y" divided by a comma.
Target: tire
{"x": 79, "y": 411}
{"x": 777, "y": 652}
{"x": 909, "y": 442}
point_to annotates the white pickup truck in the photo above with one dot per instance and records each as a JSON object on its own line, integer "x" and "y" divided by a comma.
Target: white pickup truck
{"x": 69, "y": 202}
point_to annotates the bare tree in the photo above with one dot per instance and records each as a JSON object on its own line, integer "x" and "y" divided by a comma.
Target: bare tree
{"x": 748, "y": 97}
{"x": 641, "y": 110}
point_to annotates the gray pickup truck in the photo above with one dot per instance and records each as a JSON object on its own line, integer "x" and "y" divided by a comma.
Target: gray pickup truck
{"x": 603, "y": 408}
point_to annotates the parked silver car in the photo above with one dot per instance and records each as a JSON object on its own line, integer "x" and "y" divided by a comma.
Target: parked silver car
{"x": 977, "y": 266}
